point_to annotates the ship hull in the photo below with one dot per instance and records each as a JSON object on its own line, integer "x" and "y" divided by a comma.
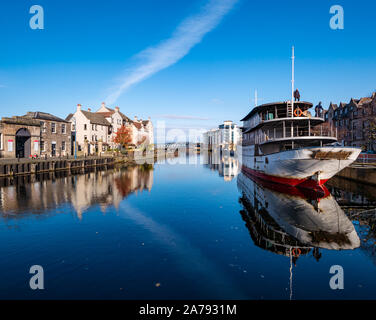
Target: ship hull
{"x": 308, "y": 167}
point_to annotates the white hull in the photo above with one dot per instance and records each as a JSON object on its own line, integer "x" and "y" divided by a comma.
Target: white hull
{"x": 300, "y": 166}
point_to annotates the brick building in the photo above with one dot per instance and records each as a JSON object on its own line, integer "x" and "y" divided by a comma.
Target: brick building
{"x": 55, "y": 136}
{"x": 353, "y": 121}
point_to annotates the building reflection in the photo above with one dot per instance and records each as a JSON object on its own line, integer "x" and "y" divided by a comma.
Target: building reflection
{"x": 41, "y": 193}
{"x": 294, "y": 222}
{"x": 349, "y": 193}
{"x": 227, "y": 165}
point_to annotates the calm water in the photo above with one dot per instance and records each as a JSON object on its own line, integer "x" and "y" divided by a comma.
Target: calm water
{"x": 181, "y": 231}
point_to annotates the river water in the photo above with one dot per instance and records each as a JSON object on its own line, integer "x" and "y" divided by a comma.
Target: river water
{"x": 183, "y": 231}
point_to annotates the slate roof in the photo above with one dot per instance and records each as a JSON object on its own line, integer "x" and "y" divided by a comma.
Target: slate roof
{"x": 96, "y": 118}
{"x": 43, "y": 116}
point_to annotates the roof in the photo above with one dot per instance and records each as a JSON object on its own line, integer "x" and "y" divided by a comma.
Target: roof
{"x": 365, "y": 100}
{"x": 70, "y": 116}
{"x": 96, "y": 118}
{"x": 266, "y": 106}
{"x": 111, "y": 112}
{"x": 43, "y": 116}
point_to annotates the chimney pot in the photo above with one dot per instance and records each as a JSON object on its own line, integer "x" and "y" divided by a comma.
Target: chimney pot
{"x": 78, "y": 107}
{"x": 135, "y": 118}
{"x": 117, "y": 109}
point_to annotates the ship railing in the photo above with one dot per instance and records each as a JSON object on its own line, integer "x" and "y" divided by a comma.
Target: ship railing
{"x": 297, "y": 132}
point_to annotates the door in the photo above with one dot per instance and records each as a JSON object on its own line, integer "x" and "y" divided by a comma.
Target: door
{"x": 53, "y": 149}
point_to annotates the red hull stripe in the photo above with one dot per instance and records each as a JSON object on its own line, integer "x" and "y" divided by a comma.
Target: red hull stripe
{"x": 305, "y": 183}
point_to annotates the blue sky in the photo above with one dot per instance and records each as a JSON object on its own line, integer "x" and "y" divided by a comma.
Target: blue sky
{"x": 88, "y": 48}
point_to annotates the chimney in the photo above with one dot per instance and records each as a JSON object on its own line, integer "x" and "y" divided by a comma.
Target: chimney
{"x": 135, "y": 118}
{"x": 88, "y": 109}
{"x": 103, "y": 104}
{"x": 117, "y": 109}
{"x": 78, "y": 107}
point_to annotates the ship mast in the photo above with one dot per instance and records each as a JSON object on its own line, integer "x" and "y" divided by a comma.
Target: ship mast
{"x": 255, "y": 98}
{"x": 292, "y": 80}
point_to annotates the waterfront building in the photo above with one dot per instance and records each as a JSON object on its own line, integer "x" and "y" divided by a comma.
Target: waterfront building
{"x": 353, "y": 121}
{"x": 95, "y": 131}
{"x": 19, "y": 137}
{"x": 226, "y": 136}
{"x": 91, "y": 130}
{"x": 141, "y": 130}
{"x": 55, "y": 136}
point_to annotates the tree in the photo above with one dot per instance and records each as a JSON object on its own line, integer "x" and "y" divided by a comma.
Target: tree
{"x": 123, "y": 136}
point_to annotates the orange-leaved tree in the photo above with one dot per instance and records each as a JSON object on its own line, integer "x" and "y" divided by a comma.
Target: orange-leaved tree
{"x": 123, "y": 136}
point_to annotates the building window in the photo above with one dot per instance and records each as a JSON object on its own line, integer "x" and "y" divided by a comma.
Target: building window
{"x": 53, "y": 127}
{"x": 1, "y": 141}
{"x": 63, "y": 146}
{"x": 42, "y": 145}
{"x": 85, "y": 137}
{"x": 44, "y": 127}
{"x": 63, "y": 129}
{"x": 85, "y": 126}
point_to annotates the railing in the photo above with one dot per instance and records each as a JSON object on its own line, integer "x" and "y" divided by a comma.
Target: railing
{"x": 366, "y": 158}
{"x": 297, "y": 132}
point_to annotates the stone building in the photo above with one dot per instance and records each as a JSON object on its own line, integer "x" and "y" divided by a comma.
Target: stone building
{"x": 19, "y": 137}
{"x": 55, "y": 138}
{"x": 96, "y": 131}
{"x": 92, "y": 131}
{"x": 141, "y": 130}
{"x": 353, "y": 120}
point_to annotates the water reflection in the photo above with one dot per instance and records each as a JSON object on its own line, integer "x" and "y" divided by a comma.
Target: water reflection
{"x": 349, "y": 193}
{"x": 103, "y": 186}
{"x": 293, "y": 222}
{"x": 226, "y": 165}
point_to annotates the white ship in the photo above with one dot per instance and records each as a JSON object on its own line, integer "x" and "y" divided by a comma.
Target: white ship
{"x": 283, "y": 143}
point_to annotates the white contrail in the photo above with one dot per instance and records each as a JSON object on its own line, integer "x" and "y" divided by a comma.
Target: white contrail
{"x": 188, "y": 33}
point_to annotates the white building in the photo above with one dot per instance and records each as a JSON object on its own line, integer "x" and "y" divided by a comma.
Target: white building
{"x": 228, "y": 135}
{"x": 92, "y": 130}
{"x": 99, "y": 129}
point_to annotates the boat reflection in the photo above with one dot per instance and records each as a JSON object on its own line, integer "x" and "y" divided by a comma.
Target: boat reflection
{"x": 294, "y": 222}
{"x": 40, "y": 194}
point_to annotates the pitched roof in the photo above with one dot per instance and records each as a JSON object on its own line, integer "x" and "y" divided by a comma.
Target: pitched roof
{"x": 106, "y": 114}
{"x": 125, "y": 117}
{"x": 70, "y": 116}
{"x": 333, "y": 105}
{"x": 365, "y": 100}
{"x": 96, "y": 118}
{"x": 43, "y": 116}
{"x": 137, "y": 125}
{"x": 111, "y": 112}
